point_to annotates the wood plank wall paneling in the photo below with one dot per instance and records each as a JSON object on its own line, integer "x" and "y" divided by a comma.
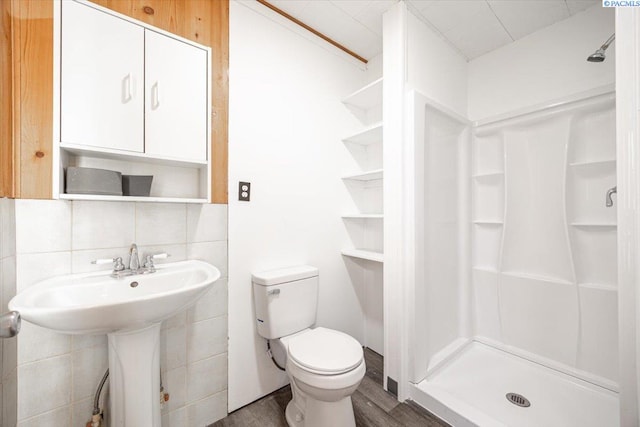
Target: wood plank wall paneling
{"x": 33, "y": 93}
{"x": 205, "y": 22}
{"x": 25, "y": 164}
{"x": 6, "y": 104}
{"x": 26, "y": 93}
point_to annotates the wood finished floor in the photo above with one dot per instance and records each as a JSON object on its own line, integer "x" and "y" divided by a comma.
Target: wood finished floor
{"x": 372, "y": 406}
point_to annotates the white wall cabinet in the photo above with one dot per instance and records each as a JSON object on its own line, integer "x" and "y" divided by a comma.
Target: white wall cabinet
{"x": 102, "y": 70}
{"x": 176, "y": 102}
{"x": 133, "y": 98}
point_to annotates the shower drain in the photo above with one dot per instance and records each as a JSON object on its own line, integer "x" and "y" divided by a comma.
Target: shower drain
{"x": 518, "y": 399}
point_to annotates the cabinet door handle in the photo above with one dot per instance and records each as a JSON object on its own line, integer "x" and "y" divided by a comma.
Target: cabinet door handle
{"x": 126, "y": 86}
{"x": 155, "y": 96}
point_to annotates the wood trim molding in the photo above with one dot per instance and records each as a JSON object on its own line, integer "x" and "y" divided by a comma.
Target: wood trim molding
{"x": 312, "y": 30}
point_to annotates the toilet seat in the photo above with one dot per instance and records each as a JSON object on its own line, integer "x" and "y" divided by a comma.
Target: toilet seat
{"x": 325, "y": 351}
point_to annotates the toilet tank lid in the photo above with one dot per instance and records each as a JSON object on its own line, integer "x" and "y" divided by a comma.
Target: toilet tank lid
{"x": 284, "y": 275}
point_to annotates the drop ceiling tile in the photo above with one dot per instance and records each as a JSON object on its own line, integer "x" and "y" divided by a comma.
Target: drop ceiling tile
{"x": 336, "y": 24}
{"x": 327, "y": 18}
{"x": 479, "y": 36}
{"x": 352, "y": 7}
{"x": 576, "y": 6}
{"x": 292, "y": 7}
{"x": 522, "y": 17}
{"x": 446, "y": 15}
{"x": 421, "y": 4}
{"x": 371, "y": 16}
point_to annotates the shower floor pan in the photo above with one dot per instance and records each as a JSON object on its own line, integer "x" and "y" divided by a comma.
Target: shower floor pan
{"x": 470, "y": 390}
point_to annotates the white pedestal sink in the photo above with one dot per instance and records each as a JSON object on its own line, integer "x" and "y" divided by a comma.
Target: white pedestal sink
{"x": 129, "y": 310}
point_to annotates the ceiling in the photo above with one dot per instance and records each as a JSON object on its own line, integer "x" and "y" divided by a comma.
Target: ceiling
{"x": 473, "y": 27}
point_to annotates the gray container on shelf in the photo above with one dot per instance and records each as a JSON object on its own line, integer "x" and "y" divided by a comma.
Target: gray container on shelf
{"x": 93, "y": 181}
{"x": 137, "y": 185}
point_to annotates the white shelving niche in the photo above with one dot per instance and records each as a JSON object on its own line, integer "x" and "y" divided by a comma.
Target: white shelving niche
{"x": 135, "y": 117}
{"x": 365, "y": 226}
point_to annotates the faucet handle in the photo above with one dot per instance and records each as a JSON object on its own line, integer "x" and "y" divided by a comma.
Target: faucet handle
{"x": 148, "y": 260}
{"x": 118, "y": 265}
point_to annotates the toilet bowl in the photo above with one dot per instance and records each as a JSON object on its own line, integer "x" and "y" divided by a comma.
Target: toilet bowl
{"x": 324, "y": 366}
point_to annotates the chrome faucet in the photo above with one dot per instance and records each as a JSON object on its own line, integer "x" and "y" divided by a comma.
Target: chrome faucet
{"x": 608, "y": 199}
{"x": 134, "y": 261}
{"x": 119, "y": 269}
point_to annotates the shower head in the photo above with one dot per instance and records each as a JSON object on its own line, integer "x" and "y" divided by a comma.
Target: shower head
{"x": 599, "y": 55}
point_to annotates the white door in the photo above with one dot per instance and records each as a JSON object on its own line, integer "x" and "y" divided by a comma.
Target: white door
{"x": 101, "y": 79}
{"x": 176, "y": 86}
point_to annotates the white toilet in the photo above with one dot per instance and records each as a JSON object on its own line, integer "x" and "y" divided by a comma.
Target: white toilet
{"x": 324, "y": 366}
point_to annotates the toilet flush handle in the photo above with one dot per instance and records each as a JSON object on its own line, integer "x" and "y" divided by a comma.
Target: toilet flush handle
{"x": 273, "y": 292}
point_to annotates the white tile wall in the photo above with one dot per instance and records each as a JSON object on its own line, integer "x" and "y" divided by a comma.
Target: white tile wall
{"x": 8, "y": 347}
{"x": 58, "y": 374}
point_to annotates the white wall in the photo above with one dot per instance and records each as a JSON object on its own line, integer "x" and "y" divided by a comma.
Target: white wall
{"x": 285, "y": 125}
{"x": 415, "y": 58}
{"x": 543, "y": 66}
{"x": 57, "y": 373}
{"x": 628, "y": 177}
{"x": 8, "y": 347}
{"x": 434, "y": 68}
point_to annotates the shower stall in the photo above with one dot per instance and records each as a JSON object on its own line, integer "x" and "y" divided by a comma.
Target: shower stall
{"x": 503, "y": 306}
{"x": 529, "y": 320}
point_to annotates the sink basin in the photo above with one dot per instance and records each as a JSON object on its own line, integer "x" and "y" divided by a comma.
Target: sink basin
{"x": 95, "y": 303}
{"x": 129, "y": 310}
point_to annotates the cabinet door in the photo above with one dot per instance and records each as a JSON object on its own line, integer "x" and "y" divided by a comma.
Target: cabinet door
{"x": 176, "y": 86}
{"x": 101, "y": 74}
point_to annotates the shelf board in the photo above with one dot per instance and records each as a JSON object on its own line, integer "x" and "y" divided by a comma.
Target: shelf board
{"x": 363, "y": 216}
{"x": 130, "y": 156}
{"x": 365, "y": 176}
{"x": 488, "y": 222}
{"x": 486, "y": 175}
{"x": 367, "y": 97}
{"x": 603, "y": 162}
{"x": 485, "y": 270}
{"x": 594, "y": 224}
{"x": 103, "y": 198}
{"x": 367, "y": 136}
{"x": 523, "y": 275}
{"x": 364, "y": 254}
{"x": 599, "y": 286}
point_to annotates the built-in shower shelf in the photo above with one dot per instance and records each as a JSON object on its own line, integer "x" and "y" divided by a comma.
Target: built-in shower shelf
{"x": 594, "y": 224}
{"x": 364, "y": 254}
{"x": 589, "y": 163}
{"x": 365, "y": 176}
{"x": 370, "y": 135}
{"x": 488, "y": 222}
{"x": 368, "y": 97}
{"x": 599, "y": 286}
{"x": 523, "y": 275}
{"x": 486, "y": 270}
{"x": 363, "y": 216}
{"x": 488, "y": 175}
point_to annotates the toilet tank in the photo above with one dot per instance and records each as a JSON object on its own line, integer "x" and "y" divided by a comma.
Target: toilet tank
{"x": 285, "y": 300}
